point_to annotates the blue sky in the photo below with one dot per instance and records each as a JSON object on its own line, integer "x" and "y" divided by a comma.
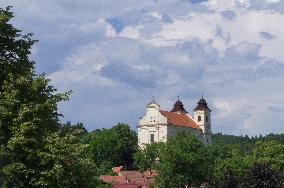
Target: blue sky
{"x": 116, "y": 55}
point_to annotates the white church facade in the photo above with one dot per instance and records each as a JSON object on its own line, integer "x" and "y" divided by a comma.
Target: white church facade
{"x": 158, "y": 125}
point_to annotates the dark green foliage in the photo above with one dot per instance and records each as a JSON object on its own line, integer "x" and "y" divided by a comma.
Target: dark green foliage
{"x": 230, "y": 180}
{"x": 262, "y": 175}
{"x": 239, "y": 154}
{"x": 77, "y": 129}
{"x": 15, "y": 49}
{"x": 231, "y": 171}
{"x": 113, "y": 147}
{"x": 67, "y": 163}
{"x": 183, "y": 162}
{"x": 147, "y": 159}
{"x": 246, "y": 143}
{"x": 270, "y": 152}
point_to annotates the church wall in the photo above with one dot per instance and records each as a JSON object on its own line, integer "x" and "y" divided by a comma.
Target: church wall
{"x": 153, "y": 123}
{"x": 153, "y": 117}
{"x": 144, "y": 134}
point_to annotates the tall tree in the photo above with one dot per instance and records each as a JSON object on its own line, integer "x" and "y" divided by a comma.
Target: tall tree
{"x": 115, "y": 146}
{"x": 183, "y": 162}
{"x": 31, "y": 149}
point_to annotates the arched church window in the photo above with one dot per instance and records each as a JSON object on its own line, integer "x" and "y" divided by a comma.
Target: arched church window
{"x": 206, "y": 118}
{"x": 199, "y": 118}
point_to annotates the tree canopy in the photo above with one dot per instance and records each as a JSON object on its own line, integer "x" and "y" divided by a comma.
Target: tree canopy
{"x": 32, "y": 153}
{"x": 184, "y": 161}
{"x": 113, "y": 147}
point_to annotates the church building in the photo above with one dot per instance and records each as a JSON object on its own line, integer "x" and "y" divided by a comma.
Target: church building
{"x": 159, "y": 125}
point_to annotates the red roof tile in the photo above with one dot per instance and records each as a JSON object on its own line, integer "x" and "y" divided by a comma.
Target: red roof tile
{"x": 117, "y": 169}
{"x": 113, "y": 179}
{"x": 150, "y": 174}
{"x": 131, "y": 179}
{"x": 179, "y": 119}
{"x": 127, "y": 185}
{"x": 131, "y": 174}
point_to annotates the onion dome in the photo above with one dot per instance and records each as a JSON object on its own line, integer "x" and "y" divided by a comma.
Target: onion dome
{"x": 178, "y": 107}
{"x": 202, "y": 105}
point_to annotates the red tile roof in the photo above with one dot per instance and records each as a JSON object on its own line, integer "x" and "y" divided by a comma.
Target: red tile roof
{"x": 179, "y": 119}
{"x": 131, "y": 174}
{"x": 113, "y": 179}
{"x": 117, "y": 169}
{"x": 150, "y": 174}
{"x": 131, "y": 179}
{"x": 127, "y": 185}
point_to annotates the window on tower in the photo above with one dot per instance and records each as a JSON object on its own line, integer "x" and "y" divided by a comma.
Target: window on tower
{"x": 152, "y": 138}
{"x": 206, "y": 118}
{"x": 199, "y": 118}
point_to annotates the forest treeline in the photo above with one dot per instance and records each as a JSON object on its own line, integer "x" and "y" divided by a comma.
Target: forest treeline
{"x": 231, "y": 161}
{"x": 38, "y": 150}
{"x": 246, "y": 141}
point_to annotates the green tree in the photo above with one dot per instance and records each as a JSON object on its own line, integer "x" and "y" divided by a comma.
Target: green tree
{"x": 112, "y": 147}
{"x": 230, "y": 180}
{"x": 31, "y": 152}
{"x": 78, "y": 129}
{"x": 262, "y": 175}
{"x": 148, "y": 158}
{"x": 270, "y": 152}
{"x": 232, "y": 170}
{"x": 66, "y": 163}
{"x": 183, "y": 162}
{"x": 16, "y": 72}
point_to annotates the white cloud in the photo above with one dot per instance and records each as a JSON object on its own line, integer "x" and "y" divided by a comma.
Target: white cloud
{"x": 110, "y": 32}
{"x": 156, "y": 15}
{"x": 245, "y": 3}
{"x": 221, "y": 5}
{"x": 130, "y": 32}
{"x": 177, "y": 58}
{"x": 272, "y": 1}
{"x": 225, "y": 33}
{"x": 196, "y": 26}
{"x": 82, "y": 67}
{"x": 165, "y": 49}
{"x": 225, "y": 108}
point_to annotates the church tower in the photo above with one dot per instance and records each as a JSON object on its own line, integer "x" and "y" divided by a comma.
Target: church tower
{"x": 178, "y": 108}
{"x": 202, "y": 117}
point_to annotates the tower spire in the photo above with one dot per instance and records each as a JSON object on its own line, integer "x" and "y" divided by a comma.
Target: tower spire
{"x": 178, "y": 107}
{"x": 202, "y": 105}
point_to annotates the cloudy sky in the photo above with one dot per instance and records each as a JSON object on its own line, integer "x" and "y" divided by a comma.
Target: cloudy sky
{"x": 116, "y": 54}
